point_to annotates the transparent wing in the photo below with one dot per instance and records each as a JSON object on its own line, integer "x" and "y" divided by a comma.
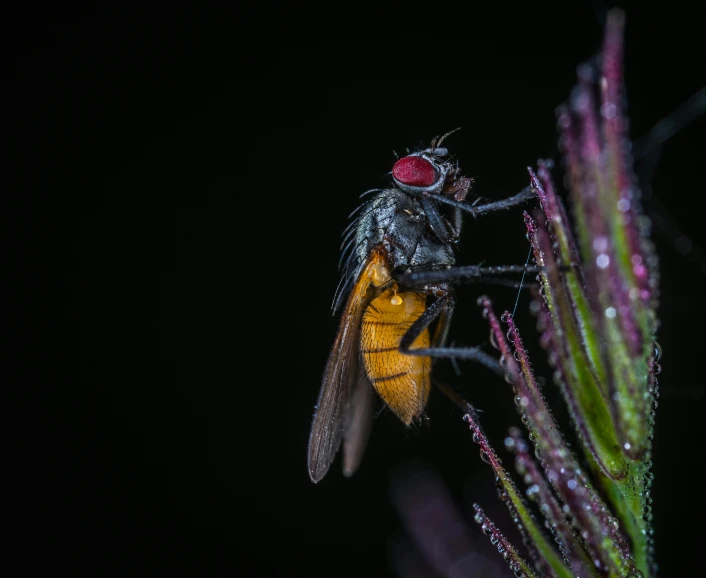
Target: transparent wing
{"x": 340, "y": 388}
{"x": 359, "y": 423}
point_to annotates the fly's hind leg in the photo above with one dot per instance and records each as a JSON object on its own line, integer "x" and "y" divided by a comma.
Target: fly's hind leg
{"x": 442, "y": 309}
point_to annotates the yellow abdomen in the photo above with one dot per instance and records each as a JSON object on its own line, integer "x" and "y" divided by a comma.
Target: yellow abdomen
{"x": 402, "y": 381}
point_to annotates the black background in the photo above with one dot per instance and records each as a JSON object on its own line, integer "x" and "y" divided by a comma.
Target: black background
{"x": 184, "y": 180}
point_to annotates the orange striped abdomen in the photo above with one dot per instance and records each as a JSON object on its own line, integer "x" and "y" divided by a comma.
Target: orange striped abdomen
{"x": 402, "y": 381}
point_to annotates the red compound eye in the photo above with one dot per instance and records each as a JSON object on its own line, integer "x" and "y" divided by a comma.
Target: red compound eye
{"x": 414, "y": 171}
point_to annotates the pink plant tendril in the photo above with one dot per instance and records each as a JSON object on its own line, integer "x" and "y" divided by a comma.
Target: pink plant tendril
{"x": 590, "y": 514}
{"x": 595, "y": 307}
{"x": 516, "y": 563}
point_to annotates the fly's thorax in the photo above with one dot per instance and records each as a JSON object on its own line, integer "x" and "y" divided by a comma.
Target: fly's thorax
{"x": 396, "y": 221}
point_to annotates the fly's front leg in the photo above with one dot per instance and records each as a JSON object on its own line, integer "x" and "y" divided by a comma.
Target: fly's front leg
{"x": 443, "y": 308}
{"x": 446, "y": 231}
{"x": 478, "y": 210}
{"x": 458, "y": 222}
{"x": 436, "y": 221}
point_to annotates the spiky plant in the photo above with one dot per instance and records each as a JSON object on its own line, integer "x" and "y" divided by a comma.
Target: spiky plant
{"x": 596, "y": 314}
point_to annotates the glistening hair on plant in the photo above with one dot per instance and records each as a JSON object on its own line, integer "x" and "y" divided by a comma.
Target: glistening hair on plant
{"x": 597, "y": 318}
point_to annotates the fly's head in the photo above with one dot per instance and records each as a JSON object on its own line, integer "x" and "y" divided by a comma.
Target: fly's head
{"x": 431, "y": 172}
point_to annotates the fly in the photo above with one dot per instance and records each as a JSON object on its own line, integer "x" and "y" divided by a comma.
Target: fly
{"x": 397, "y": 301}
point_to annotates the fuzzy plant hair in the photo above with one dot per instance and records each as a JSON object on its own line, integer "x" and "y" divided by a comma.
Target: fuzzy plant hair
{"x": 596, "y": 312}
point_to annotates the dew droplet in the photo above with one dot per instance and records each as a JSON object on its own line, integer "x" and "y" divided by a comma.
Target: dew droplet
{"x": 609, "y": 111}
{"x": 600, "y": 244}
{"x": 656, "y": 351}
{"x": 493, "y": 341}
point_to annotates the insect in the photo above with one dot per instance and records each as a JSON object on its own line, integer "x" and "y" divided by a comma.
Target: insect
{"x": 396, "y": 285}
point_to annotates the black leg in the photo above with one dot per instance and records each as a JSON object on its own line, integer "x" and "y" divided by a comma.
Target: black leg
{"x": 467, "y": 273}
{"x": 458, "y": 399}
{"x": 441, "y": 333}
{"x": 458, "y": 221}
{"x": 443, "y": 305}
{"x": 478, "y": 210}
{"x": 436, "y": 221}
